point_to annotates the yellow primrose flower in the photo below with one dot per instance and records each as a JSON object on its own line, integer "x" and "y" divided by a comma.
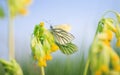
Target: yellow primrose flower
{"x": 54, "y": 47}
{"x": 115, "y": 58}
{"x": 98, "y": 72}
{"x": 18, "y": 7}
{"x": 48, "y": 57}
{"x": 41, "y": 24}
{"x": 118, "y": 42}
{"x": 42, "y": 62}
{"x": 109, "y": 34}
{"x": 106, "y": 42}
{"x": 104, "y": 68}
{"x": 23, "y": 11}
{"x": 117, "y": 68}
{"x": 27, "y": 2}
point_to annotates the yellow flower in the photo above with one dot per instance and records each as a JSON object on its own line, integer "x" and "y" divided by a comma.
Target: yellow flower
{"x": 48, "y": 57}
{"x": 42, "y": 24}
{"x": 23, "y": 11}
{"x": 27, "y": 2}
{"x": 18, "y": 7}
{"x": 42, "y": 62}
{"x": 115, "y": 58}
{"x": 98, "y": 72}
{"x": 118, "y": 42}
{"x": 117, "y": 68}
{"x": 106, "y": 42}
{"x": 54, "y": 47}
{"x": 104, "y": 68}
{"x": 109, "y": 34}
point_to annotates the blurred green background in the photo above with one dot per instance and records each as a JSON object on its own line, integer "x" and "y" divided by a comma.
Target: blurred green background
{"x": 82, "y": 15}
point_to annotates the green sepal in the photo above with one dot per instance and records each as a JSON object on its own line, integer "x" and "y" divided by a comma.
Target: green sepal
{"x": 37, "y": 48}
{"x": 100, "y": 26}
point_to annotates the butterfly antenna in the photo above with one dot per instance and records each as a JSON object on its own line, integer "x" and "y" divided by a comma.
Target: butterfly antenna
{"x": 51, "y": 26}
{"x": 47, "y": 22}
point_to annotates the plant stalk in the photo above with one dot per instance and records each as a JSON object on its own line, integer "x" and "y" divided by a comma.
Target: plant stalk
{"x": 42, "y": 71}
{"x": 11, "y": 38}
{"x": 86, "y": 67}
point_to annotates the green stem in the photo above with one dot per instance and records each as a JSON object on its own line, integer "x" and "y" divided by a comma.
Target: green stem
{"x": 11, "y": 38}
{"x": 86, "y": 67}
{"x": 42, "y": 71}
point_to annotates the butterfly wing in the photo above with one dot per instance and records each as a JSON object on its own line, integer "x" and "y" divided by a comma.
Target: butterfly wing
{"x": 62, "y": 37}
{"x": 68, "y": 48}
{"x": 65, "y": 27}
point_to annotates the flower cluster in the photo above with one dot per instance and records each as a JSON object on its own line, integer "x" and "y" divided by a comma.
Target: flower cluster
{"x": 103, "y": 59}
{"x": 42, "y": 44}
{"x": 18, "y": 7}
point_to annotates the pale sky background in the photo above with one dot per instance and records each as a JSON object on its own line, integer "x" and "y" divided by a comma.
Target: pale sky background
{"x": 82, "y": 15}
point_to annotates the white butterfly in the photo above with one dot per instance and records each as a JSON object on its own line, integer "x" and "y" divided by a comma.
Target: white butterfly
{"x": 63, "y": 38}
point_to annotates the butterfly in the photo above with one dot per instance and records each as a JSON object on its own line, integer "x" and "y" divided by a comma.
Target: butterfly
{"x": 63, "y": 38}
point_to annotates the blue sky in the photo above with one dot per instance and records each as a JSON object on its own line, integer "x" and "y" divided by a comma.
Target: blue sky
{"x": 82, "y": 15}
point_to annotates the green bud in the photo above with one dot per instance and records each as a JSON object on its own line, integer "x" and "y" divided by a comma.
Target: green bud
{"x": 11, "y": 67}
{"x": 37, "y": 48}
{"x": 46, "y": 45}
